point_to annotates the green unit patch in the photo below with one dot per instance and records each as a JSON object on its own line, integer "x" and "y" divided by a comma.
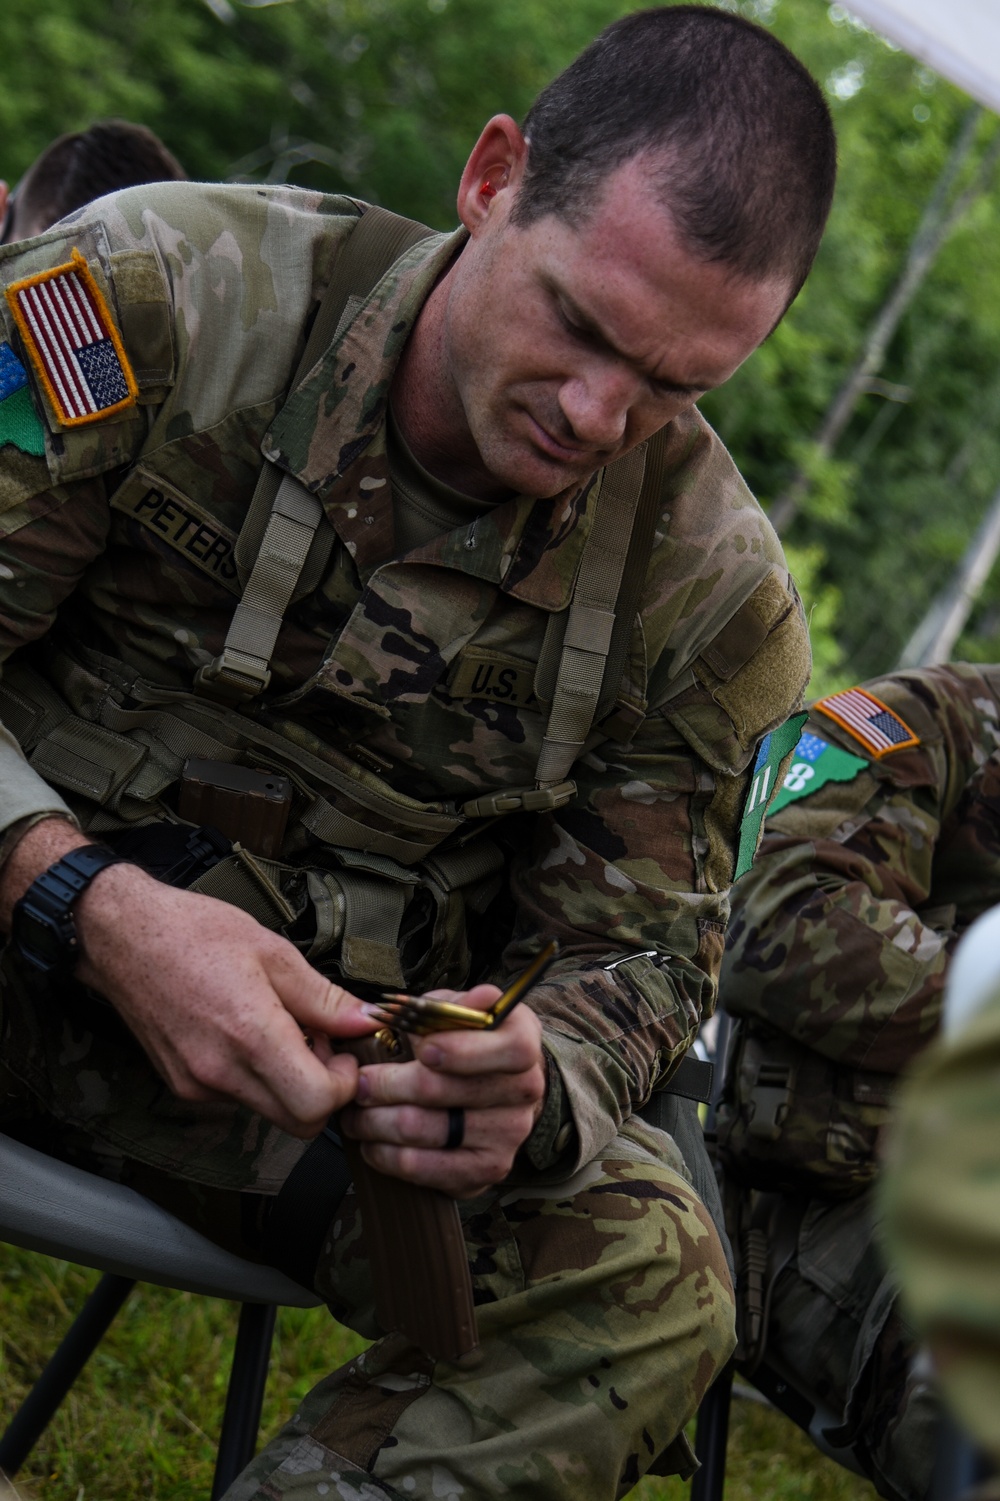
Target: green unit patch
{"x": 21, "y": 425}
{"x": 816, "y": 763}
{"x": 480, "y": 673}
{"x": 772, "y": 751}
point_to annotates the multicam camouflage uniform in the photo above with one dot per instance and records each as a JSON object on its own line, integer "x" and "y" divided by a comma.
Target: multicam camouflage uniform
{"x": 880, "y": 858}
{"x": 940, "y": 1196}
{"x": 605, "y": 1303}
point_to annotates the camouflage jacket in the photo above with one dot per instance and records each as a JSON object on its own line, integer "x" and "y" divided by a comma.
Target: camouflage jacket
{"x": 842, "y": 933}
{"x": 117, "y": 542}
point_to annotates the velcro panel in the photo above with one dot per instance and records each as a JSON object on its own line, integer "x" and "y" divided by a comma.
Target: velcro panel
{"x": 738, "y": 640}
{"x": 146, "y": 321}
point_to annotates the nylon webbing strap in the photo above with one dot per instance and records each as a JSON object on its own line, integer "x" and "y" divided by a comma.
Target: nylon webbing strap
{"x": 589, "y": 627}
{"x": 242, "y": 669}
{"x": 640, "y": 549}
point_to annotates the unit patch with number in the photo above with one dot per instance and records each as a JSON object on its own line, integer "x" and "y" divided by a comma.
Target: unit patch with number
{"x": 816, "y": 762}
{"x": 772, "y": 751}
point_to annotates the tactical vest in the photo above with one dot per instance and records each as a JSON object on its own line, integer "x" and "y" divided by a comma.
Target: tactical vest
{"x": 371, "y": 884}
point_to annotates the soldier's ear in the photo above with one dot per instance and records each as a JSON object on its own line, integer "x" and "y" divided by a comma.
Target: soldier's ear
{"x": 495, "y": 167}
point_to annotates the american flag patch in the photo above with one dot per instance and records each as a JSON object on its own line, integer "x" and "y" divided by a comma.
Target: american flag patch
{"x": 870, "y": 721}
{"x": 72, "y": 342}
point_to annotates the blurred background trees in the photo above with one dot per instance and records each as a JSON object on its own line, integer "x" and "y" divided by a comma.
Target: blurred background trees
{"x": 382, "y": 99}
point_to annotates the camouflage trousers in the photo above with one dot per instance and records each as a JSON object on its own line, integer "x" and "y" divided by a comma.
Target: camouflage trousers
{"x": 836, "y": 1334}
{"x": 604, "y": 1302}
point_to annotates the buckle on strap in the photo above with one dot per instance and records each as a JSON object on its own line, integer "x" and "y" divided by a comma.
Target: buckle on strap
{"x": 231, "y": 678}
{"x": 520, "y": 800}
{"x": 771, "y": 1096}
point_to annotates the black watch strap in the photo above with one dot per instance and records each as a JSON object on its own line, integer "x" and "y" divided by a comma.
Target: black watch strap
{"x": 42, "y": 926}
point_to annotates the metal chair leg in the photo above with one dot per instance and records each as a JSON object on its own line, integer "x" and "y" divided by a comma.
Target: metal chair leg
{"x": 245, "y": 1396}
{"x": 711, "y": 1437}
{"x": 40, "y": 1405}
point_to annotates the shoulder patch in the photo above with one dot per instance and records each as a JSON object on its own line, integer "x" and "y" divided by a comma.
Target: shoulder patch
{"x": 871, "y": 722}
{"x": 815, "y": 763}
{"x": 71, "y": 339}
{"x": 20, "y": 424}
{"x": 773, "y": 749}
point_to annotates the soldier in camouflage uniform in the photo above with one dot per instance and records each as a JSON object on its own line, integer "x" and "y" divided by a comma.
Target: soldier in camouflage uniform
{"x": 411, "y": 696}
{"x": 939, "y": 1189}
{"x": 880, "y": 850}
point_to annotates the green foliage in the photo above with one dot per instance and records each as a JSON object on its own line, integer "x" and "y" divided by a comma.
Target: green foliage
{"x": 889, "y": 516}
{"x": 143, "y": 1420}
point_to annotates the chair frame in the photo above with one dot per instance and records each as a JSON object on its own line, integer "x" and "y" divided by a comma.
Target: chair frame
{"x": 64, "y": 1211}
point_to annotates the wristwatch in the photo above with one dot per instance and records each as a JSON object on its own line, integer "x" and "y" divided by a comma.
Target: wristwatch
{"x": 42, "y": 928}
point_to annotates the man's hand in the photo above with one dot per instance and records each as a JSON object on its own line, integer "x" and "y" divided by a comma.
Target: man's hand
{"x": 219, "y": 1003}
{"x": 400, "y": 1114}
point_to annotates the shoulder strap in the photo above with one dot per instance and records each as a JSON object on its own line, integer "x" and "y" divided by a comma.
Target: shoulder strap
{"x": 602, "y": 611}
{"x": 281, "y": 523}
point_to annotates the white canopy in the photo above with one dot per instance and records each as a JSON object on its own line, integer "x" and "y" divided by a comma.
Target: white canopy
{"x": 959, "y": 39}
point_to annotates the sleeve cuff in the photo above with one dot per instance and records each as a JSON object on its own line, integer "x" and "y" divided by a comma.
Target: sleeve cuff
{"x": 553, "y": 1141}
{"x": 25, "y": 795}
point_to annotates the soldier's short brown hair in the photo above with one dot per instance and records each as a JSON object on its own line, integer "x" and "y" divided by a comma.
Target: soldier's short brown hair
{"x": 737, "y": 132}
{"x": 85, "y": 164}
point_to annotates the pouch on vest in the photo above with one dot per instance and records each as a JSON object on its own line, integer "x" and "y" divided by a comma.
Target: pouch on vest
{"x": 792, "y": 1121}
{"x": 358, "y": 914}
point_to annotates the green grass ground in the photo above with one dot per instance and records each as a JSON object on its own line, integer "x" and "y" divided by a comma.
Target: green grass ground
{"x": 143, "y": 1419}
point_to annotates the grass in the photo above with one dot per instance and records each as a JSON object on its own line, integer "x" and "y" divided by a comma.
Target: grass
{"x": 142, "y": 1420}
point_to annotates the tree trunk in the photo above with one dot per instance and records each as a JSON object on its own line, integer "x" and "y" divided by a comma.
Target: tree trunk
{"x": 934, "y": 638}
{"x": 938, "y": 220}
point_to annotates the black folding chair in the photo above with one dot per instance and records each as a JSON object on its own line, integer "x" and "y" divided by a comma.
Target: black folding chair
{"x": 63, "y": 1211}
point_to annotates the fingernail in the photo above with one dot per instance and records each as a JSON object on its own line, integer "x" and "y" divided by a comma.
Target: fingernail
{"x": 364, "y": 1089}
{"x": 431, "y": 1055}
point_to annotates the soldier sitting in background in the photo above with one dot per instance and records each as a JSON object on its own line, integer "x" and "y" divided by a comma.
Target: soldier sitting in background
{"x": 77, "y": 168}
{"x": 881, "y": 849}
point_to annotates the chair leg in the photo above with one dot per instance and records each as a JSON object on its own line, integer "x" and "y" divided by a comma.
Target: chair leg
{"x": 245, "y": 1396}
{"x": 42, "y": 1402}
{"x": 711, "y": 1437}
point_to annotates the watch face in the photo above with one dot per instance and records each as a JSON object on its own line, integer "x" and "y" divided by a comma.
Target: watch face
{"x": 43, "y": 941}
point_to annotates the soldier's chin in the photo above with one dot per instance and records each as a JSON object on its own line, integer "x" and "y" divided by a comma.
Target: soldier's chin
{"x": 526, "y": 470}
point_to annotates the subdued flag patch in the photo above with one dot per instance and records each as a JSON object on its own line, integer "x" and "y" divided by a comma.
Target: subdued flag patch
{"x": 20, "y": 424}
{"x": 815, "y": 763}
{"x": 771, "y": 752}
{"x": 71, "y": 339}
{"x": 872, "y": 723}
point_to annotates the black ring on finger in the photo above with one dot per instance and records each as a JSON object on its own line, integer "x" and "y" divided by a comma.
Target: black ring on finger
{"x": 456, "y": 1128}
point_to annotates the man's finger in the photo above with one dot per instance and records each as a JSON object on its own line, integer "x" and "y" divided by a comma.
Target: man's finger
{"x": 462, "y": 1174}
{"x": 512, "y": 1048}
{"x": 315, "y": 1001}
{"x": 408, "y": 1084}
